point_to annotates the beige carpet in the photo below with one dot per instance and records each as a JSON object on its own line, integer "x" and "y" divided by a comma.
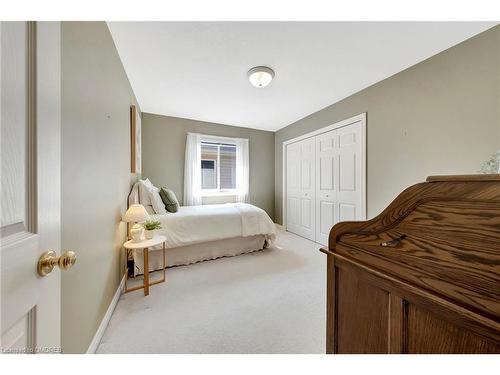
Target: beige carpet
{"x": 271, "y": 301}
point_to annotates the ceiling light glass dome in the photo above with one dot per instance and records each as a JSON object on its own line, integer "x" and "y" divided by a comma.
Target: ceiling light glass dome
{"x": 260, "y": 76}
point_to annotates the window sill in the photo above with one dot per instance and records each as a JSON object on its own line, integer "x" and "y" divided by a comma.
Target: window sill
{"x": 219, "y": 194}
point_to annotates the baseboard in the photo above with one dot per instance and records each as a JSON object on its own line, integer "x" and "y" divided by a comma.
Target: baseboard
{"x": 105, "y": 320}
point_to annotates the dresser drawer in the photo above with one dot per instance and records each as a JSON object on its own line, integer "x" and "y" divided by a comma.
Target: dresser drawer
{"x": 370, "y": 312}
{"x": 448, "y": 248}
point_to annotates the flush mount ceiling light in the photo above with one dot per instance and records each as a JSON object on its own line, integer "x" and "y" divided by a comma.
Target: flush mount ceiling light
{"x": 260, "y": 76}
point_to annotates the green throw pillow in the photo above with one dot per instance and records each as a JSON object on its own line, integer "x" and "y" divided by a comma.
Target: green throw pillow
{"x": 168, "y": 197}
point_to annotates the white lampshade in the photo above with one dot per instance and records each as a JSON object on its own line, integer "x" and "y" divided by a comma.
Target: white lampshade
{"x": 135, "y": 213}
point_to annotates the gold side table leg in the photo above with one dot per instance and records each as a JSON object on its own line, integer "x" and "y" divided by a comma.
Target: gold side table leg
{"x": 126, "y": 270}
{"x": 146, "y": 272}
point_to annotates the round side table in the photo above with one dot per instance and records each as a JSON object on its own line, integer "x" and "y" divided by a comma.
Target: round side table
{"x": 144, "y": 245}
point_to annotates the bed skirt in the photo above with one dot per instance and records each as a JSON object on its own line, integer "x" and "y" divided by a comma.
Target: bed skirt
{"x": 198, "y": 252}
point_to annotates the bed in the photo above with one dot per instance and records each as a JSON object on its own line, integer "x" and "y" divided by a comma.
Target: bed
{"x": 198, "y": 233}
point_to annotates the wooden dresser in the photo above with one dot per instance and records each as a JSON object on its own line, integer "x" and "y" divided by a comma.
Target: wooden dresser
{"x": 423, "y": 276}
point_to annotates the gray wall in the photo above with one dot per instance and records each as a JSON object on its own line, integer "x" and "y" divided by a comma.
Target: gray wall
{"x": 164, "y": 144}
{"x": 440, "y": 116}
{"x": 96, "y": 177}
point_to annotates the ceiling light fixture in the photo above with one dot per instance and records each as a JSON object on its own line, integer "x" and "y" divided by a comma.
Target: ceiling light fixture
{"x": 260, "y": 76}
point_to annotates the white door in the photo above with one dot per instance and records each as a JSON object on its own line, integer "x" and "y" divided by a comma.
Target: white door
{"x": 326, "y": 184}
{"x": 293, "y": 187}
{"x": 325, "y": 179}
{"x": 350, "y": 194}
{"x": 339, "y": 178}
{"x": 300, "y": 167}
{"x": 30, "y": 184}
{"x": 307, "y": 188}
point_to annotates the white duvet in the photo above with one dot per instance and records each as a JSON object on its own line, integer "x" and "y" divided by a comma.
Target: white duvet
{"x": 196, "y": 224}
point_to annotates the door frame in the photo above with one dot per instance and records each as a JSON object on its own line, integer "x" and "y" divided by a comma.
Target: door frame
{"x": 340, "y": 124}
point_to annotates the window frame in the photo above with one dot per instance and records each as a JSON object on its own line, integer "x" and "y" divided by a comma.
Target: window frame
{"x": 218, "y": 190}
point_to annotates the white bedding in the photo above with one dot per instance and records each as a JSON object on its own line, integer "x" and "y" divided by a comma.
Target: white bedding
{"x": 197, "y": 224}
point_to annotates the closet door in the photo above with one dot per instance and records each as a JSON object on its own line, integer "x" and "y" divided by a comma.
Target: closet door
{"x": 350, "y": 179}
{"x": 300, "y": 198}
{"x": 307, "y": 188}
{"x": 325, "y": 181}
{"x": 293, "y": 193}
{"x": 326, "y": 184}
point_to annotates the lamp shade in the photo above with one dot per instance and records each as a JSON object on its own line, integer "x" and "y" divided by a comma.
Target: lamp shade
{"x": 135, "y": 213}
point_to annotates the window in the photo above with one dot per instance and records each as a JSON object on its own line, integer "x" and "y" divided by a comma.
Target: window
{"x": 208, "y": 174}
{"x": 215, "y": 166}
{"x": 218, "y": 167}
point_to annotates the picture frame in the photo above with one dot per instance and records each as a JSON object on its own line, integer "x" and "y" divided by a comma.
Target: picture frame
{"x": 135, "y": 140}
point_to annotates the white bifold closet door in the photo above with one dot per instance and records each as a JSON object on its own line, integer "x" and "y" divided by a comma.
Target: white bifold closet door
{"x": 327, "y": 184}
{"x": 301, "y": 188}
{"x": 338, "y": 178}
{"x": 325, "y": 181}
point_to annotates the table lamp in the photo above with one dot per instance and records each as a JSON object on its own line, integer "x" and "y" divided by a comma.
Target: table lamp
{"x": 135, "y": 214}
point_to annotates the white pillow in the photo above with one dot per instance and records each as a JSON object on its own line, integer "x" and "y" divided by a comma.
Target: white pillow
{"x": 144, "y": 188}
{"x": 156, "y": 201}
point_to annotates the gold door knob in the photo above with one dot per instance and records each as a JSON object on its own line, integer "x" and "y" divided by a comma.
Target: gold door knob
{"x": 49, "y": 260}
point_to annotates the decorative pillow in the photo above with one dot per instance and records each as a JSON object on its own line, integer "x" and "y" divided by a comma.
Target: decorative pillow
{"x": 168, "y": 197}
{"x": 144, "y": 187}
{"x": 156, "y": 202}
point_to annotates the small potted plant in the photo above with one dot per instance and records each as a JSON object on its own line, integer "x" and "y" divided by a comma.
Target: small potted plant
{"x": 149, "y": 228}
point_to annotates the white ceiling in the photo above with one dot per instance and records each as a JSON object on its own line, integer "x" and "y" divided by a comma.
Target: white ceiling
{"x": 197, "y": 70}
